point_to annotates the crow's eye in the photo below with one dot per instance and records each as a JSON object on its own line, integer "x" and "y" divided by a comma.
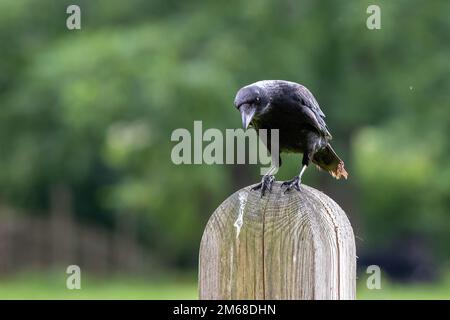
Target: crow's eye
{"x": 258, "y": 99}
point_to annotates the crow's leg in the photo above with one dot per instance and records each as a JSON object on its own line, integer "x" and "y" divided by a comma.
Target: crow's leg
{"x": 297, "y": 180}
{"x": 266, "y": 182}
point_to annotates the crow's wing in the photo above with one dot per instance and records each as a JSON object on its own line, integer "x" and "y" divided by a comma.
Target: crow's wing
{"x": 310, "y": 108}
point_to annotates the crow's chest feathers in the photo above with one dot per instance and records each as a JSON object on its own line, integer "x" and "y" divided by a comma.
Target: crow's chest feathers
{"x": 293, "y": 130}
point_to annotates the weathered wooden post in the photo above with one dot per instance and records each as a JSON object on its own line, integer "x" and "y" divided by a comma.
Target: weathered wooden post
{"x": 298, "y": 245}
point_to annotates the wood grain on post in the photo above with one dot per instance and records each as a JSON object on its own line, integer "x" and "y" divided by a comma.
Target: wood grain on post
{"x": 298, "y": 245}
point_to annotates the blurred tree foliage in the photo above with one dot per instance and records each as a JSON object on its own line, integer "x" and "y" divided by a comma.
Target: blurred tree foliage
{"x": 95, "y": 108}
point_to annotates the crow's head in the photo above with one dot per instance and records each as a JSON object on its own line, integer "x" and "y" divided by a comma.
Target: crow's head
{"x": 251, "y": 101}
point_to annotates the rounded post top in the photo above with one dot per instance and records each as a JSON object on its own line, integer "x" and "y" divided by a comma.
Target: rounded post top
{"x": 294, "y": 245}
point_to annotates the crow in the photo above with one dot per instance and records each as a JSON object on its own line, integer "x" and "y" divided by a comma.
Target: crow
{"x": 292, "y": 109}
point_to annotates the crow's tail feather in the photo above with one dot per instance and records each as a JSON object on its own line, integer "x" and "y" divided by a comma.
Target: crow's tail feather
{"x": 328, "y": 160}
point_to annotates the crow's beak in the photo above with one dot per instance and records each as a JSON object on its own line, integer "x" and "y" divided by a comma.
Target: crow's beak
{"x": 247, "y": 113}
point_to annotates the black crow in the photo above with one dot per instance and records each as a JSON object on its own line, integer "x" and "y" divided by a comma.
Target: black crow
{"x": 292, "y": 109}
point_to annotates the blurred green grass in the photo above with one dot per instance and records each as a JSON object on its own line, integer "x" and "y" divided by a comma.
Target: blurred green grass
{"x": 438, "y": 290}
{"x": 52, "y": 286}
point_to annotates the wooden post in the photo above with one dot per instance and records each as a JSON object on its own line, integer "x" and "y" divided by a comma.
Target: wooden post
{"x": 298, "y": 245}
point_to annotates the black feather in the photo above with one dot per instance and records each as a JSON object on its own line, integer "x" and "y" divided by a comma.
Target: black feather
{"x": 292, "y": 108}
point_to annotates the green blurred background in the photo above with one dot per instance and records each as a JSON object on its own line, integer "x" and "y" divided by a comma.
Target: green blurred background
{"x": 86, "y": 117}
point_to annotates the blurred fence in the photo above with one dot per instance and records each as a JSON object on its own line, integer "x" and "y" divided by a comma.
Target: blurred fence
{"x": 39, "y": 243}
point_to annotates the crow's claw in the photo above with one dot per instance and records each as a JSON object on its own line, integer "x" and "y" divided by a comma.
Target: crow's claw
{"x": 291, "y": 184}
{"x": 265, "y": 184}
